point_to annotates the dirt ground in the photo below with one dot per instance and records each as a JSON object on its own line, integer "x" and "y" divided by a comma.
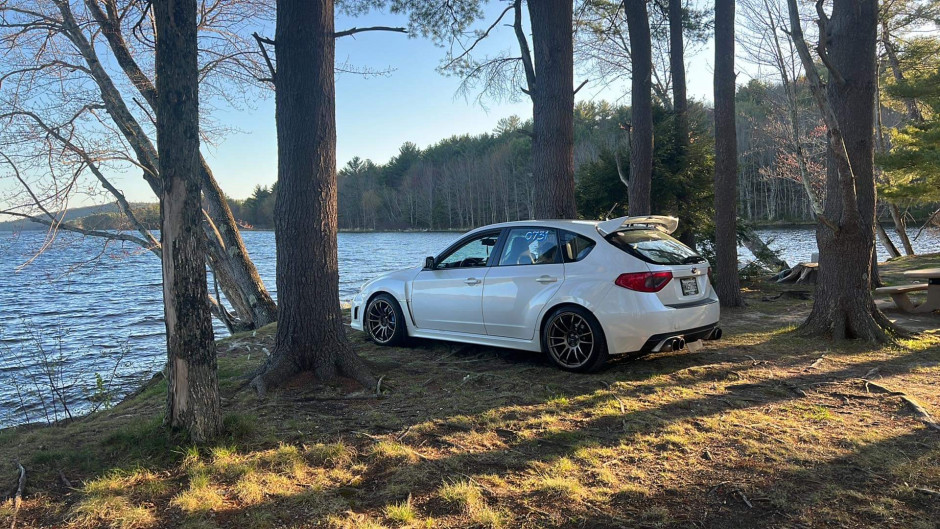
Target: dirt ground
{"x": 760, "y": 429}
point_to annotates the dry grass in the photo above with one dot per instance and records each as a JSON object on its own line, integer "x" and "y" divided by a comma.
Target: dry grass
{"x": 751, "y": 431}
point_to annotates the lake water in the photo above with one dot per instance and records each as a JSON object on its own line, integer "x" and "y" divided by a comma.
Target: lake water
{"x": 83, "y": 305}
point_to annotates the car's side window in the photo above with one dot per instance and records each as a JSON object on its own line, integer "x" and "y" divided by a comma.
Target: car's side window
{"x": 525, "y": 246}
{"x": 473, "y": 253}
{"x": 575, "y": 247}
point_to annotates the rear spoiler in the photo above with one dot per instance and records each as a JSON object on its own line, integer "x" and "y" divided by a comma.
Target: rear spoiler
{"x": 661, "y": 223}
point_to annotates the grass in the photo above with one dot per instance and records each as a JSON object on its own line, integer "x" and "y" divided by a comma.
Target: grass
{"x": 478, "y": 437}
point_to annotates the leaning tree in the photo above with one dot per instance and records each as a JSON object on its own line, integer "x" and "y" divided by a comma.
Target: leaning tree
{"x": 78, "y": 99}
{"x": 843, "y": 306}
{"x": 192, "y": 372}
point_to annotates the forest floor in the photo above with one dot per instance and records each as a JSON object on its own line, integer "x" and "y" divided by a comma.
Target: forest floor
{"x": 762, "y": 428}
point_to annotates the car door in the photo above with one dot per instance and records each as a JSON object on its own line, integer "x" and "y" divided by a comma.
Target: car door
{"x": 449, "y": 296}
{"x": 529, "y": 272}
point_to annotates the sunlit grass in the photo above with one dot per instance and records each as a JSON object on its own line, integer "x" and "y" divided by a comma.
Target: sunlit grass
{"x": 201, "y": 496}
{"x": 524, "y": 444}
{"x": 392, "y": 451}
{"x": 402, "y": 513}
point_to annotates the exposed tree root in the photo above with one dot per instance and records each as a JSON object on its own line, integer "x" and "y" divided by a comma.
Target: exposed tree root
{"x": 280, "y": 368}
{"x": 915, "y": 407}
{"x": 859, "y": 323}
{"x": 921, "y": 413}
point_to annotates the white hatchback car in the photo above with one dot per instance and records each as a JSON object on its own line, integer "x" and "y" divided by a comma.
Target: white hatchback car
{"x": 576, "y": 290}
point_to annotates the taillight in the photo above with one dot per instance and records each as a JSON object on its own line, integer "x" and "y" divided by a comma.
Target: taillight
{"x": 644, "y": 281}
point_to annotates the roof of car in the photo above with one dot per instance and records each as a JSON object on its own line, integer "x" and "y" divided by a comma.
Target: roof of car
{"x": 584, "y": 227}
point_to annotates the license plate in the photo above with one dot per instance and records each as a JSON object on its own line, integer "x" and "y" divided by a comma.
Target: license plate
{"x": 689, "y": 286}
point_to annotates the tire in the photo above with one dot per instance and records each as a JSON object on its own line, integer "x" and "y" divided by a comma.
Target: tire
{"x": 384, "y": 321}
{"x": 574, "y": 340}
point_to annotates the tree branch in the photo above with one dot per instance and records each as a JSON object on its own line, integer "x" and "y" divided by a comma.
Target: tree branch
{"x": 264, "y": 53}
{"x": 823, "y": 22}
{"x": 90, "y": 233}
{"x": 353, "y": 31}
{"x": 580, "y": 86}
{"x": 523, "y": 48}
{"x": 850, "y": 212}
{"x": 479, "y": 39}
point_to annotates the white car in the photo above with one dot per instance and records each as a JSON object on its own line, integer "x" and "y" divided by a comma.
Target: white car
{"x": 576, "y": 290}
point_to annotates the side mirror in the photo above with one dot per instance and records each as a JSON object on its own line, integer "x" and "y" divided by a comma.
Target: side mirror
{"x": 429, "y": 263}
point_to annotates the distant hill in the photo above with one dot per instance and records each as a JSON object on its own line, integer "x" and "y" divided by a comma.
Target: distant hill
{"x": 104, "y": 216}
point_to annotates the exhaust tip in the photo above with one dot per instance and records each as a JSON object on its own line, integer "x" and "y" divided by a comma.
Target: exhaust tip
{"x": 716, "y": 334}
{"x": 679, "y": 344}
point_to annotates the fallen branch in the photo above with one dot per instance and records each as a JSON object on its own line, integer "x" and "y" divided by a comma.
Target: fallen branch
{"x": 18, "y": 496}
{"x": 743, "y": 497}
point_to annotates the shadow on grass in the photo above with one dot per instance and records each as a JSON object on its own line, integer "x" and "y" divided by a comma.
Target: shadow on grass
{"x": 541, "y": 447}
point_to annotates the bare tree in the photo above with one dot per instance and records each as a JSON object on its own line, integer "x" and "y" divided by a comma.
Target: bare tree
{"x": 728, "y": 284}
{"x": 763, "y": 20}
{"x": 55, "y": 78}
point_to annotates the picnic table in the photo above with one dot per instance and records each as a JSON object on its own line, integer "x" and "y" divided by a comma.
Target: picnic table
{"x": 900, "y": 293}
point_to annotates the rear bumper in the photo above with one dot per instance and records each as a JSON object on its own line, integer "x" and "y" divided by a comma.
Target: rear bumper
{"x": 636, "y": 322}
{"x": 689, "y": 335}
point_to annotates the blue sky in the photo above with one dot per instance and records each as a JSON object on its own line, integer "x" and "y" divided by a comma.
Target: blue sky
{"x": 376, "y": 115}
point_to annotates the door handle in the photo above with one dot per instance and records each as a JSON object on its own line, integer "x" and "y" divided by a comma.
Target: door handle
{"x": 546, "y": 279}
{"x": 472, "y": 281}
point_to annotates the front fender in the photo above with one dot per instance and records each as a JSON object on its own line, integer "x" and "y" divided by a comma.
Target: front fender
{"x": 397, "y": 284}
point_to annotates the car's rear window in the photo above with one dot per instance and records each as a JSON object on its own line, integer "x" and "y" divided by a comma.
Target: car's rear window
{"x": 654, "y": 246}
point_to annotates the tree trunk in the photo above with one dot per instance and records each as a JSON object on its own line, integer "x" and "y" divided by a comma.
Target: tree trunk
{"x": 680, "y": 102}
{"x": 553, "y": 109}
{"x": 310, "y": 334}
{"x": 843, "y": 306}
{"x": 193, "y": 392}
{"x": 886, "y": 241}
{"x": 900, "y": 226}
{"x": 728, "y": 285}
{"x": 641, "y": 108}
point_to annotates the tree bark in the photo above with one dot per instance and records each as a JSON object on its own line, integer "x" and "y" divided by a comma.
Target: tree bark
{"x": 553, "y": 108}
{"x": 310, "y": 334}
{"x": 728, "y": 284}
{"x": 680, "y": 102}
{"x": 843, "y": 306}
{"x": 641, "y": 108}
{"x": 193, "y": 392}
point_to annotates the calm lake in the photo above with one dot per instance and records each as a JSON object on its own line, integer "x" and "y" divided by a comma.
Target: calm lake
{"x": 83, "y": 306}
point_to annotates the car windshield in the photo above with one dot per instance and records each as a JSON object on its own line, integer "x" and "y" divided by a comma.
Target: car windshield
{"x": 654, "y": 246}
